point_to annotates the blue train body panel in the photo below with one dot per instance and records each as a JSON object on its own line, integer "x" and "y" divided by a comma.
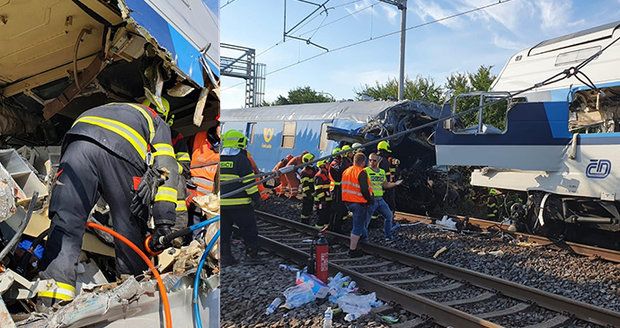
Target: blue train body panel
{"x": 188, "y": 30}
{"x": 264, "y": 127}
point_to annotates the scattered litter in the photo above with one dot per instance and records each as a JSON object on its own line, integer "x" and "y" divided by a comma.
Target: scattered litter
{"x": 357, "y": 305}
{"x": 446, "y": 223}
{"x": 290, "y": 268}
{"x": 298, "y": 295}
{"x": 319, "y": 289}
{"x": 273, "y": 306}
{"x": 351, "y": 316}
{"x": 328, "y": 317}
{"x": 389, "y": 319}
{"x": 440, "y": 251}
{"x": 496, "y": 253}
{"x": 403, "y": 225}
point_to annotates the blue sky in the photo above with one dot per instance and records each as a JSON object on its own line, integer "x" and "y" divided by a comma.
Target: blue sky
{"x": 461, "y": 44}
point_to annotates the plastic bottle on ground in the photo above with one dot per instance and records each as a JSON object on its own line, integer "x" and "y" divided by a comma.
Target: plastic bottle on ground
{"x": 273, "y": 306}
{"x": 288, "y": 268}
{"x": 327, "y": 318}
{"x": 351, "y": 316}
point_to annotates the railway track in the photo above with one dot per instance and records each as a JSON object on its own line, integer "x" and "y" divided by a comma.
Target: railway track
{"x": 435, "y": 291}
{"x": 485, "y": 225}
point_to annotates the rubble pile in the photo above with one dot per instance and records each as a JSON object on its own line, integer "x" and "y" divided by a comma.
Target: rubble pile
{"x": 100, "y": 297}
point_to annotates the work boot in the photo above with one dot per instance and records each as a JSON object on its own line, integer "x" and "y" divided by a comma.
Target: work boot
{"x": 251, "y": 256}
{"x": 227, "y": 261}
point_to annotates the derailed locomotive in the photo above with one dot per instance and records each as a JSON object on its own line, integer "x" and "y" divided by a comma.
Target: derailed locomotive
{"x": 558, "y": 142}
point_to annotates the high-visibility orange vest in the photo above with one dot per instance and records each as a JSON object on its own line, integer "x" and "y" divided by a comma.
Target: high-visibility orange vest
{"x": 204, "y": 165}
{"x": 351, "y": 189}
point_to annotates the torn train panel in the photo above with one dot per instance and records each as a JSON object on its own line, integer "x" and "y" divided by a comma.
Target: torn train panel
{"x": 133, "y": 303}
{"x": 425, "y": 186}
{"x": 396, "y": 118}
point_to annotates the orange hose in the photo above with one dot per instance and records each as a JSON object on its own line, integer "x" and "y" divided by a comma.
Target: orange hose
{"x": 160, "y": 283}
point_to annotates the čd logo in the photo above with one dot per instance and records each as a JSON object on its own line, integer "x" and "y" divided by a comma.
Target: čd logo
{"x": 598, "y": 168}
{"x": 268, "y": 134}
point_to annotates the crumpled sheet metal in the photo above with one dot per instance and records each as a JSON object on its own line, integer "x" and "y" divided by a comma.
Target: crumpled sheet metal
{"x": 7, "y": 195}
{"x": 210, "y": 205}
{"x": 132, "y": 304}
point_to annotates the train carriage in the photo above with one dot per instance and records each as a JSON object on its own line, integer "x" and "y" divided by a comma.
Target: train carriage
{"x": 276, "y": 131}
{"x": 558, "y": 142}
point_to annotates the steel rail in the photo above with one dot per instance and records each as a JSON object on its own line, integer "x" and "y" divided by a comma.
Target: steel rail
{"x": 581, "y": 249}
{"x": 421, "y": 306}
{"x": 560, "y": 304}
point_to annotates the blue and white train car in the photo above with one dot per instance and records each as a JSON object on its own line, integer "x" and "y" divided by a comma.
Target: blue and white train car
{"x": 276, "y": 131}
{"x": 560, "y": 143}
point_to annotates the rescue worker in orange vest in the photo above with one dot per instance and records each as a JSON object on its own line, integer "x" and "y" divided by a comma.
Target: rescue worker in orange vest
{"x": 358, "y": 197}
{"x": 282, "y": 189}
{"x": 291, "y": 177}
{"x": 307, "y": 188}
{"x": 204, "y": 168}
{"x": 338, "y": 210}
{"x": 322, "y": 195}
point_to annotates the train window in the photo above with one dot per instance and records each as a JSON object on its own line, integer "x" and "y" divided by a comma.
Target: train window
{"x": 288, "y": 134}
{"x": 575, "y": 56}
{"x": 323, "y": 137}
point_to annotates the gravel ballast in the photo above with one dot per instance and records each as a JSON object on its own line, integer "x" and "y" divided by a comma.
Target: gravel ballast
{"x": 557, "y": 271}
{"x": 247, "y": 290}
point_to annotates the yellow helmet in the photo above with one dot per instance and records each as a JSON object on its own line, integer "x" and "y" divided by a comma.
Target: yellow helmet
{"x": 384, "y": 145}
{"x": 336, "y": 151}
{"x": 346, "y": 147}
{"x": 321, "y": 163}
{"x": 234, "y": 139}
{"x": 307, "y": 157}
{"x": 162, "y": 109}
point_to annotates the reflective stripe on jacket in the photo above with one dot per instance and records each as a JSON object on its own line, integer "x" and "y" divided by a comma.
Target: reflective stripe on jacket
{"x": 351, "y": 189}
{"x": 377, "y": 178}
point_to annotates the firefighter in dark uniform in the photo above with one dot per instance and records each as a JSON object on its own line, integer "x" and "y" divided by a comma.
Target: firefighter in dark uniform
{"x": 237, "y": 209}
{"x": 181, "y": 151}
{"x": 307, "y": 188}
{"x": 390, "y": 165}
{"x": 111, "y": 150}
{"x": 322, "y": 195}
{"x": 339, "y": 210}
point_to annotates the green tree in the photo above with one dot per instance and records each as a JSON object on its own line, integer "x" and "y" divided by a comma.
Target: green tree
{"x": 302, "y": 95}
{"x": 481, "y": 80}
{"x": 419, "y": 89}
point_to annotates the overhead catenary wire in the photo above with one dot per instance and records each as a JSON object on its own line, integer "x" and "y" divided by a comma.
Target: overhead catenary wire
{"x": 366, "y": 40}
{"x": 227, "y": 3}
{"x": 564, "y": 74}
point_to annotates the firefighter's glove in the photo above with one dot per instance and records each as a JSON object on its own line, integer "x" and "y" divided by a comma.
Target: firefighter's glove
{"x": 143, "y": 195}
{"x": 161, "y": 230}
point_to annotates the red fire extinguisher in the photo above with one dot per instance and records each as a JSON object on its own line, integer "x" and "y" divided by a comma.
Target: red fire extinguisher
{"x": 321, "y": 269}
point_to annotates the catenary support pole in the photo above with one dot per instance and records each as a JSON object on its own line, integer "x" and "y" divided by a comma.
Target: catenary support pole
{"x": 403, "y": 39}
